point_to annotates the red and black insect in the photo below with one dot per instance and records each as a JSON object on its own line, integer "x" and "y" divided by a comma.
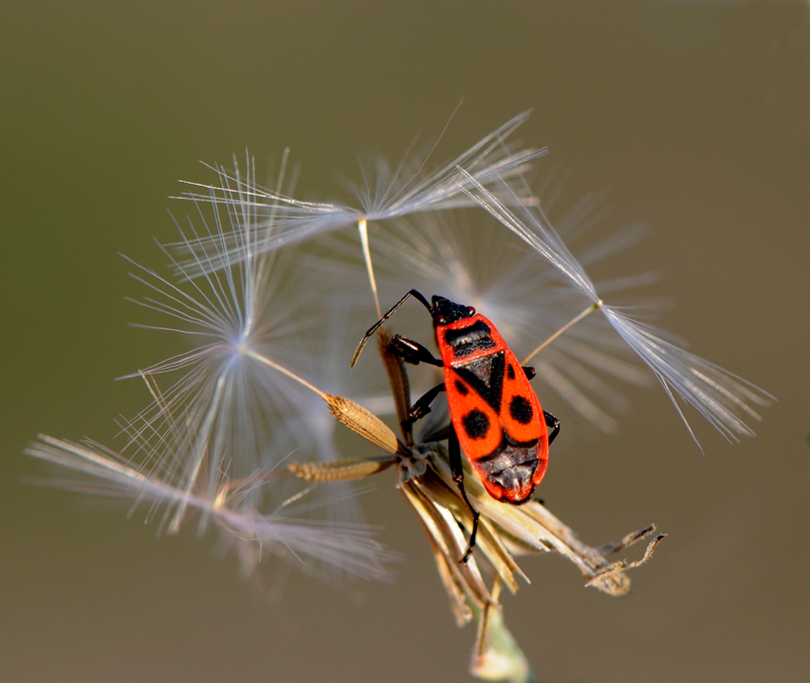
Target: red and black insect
{"x": 496, "y": 419}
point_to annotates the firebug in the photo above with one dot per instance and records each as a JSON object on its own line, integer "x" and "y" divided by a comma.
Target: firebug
{"x": 496, "y": 418}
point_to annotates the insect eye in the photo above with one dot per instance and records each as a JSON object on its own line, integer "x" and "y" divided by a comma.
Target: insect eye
{"x": 440, "y": 319}
{"x": 471, "y": 310}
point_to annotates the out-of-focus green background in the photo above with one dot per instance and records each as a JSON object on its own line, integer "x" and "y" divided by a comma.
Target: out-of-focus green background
{"x": 693, "y": 115}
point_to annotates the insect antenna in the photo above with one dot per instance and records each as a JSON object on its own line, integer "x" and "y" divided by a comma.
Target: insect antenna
{"x": 412, "y": 293}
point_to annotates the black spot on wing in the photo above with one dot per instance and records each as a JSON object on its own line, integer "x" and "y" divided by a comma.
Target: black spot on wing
{"x": 461, "y": 388}
{"x": 521, "y": 410}
{"x": 476, "y": 424}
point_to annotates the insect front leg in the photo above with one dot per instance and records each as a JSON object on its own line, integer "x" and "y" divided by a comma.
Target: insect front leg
{"x": 413, "y": 352}
{"x": 457, "y": 472}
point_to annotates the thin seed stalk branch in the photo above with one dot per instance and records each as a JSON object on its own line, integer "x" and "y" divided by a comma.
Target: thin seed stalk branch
{"x": 563, "y": 329}
{"x": 362, "y": 227}
{"x": 289, "y": 373}
{"x": 348, "y": 412}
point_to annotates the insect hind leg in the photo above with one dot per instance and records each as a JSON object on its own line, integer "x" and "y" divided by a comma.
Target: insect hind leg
{"x": 457, "y": 472}
{"x": 553, "y": 424}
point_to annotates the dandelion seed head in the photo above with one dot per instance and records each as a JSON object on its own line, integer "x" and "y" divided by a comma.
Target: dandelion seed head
{"x": 242, "y": 387}
{"x": 278, "y": 220}
{"x": 94, "y": 469}
{"x": 722, "y": 398}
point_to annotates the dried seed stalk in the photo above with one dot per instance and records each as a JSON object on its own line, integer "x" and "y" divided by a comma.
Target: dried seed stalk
{"x": 363, "y": 421}
{"x": 341, "y": 470}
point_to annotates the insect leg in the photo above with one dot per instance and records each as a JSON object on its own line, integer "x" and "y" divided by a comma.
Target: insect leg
{"x": 413, "y": 352}
{"x": 552, "y": 423}
{"x": 422, "y": 406}
{"x": 457, "y": 472}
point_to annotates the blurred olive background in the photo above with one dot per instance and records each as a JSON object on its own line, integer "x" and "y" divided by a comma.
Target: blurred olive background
{"x": 693, "y": 116}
